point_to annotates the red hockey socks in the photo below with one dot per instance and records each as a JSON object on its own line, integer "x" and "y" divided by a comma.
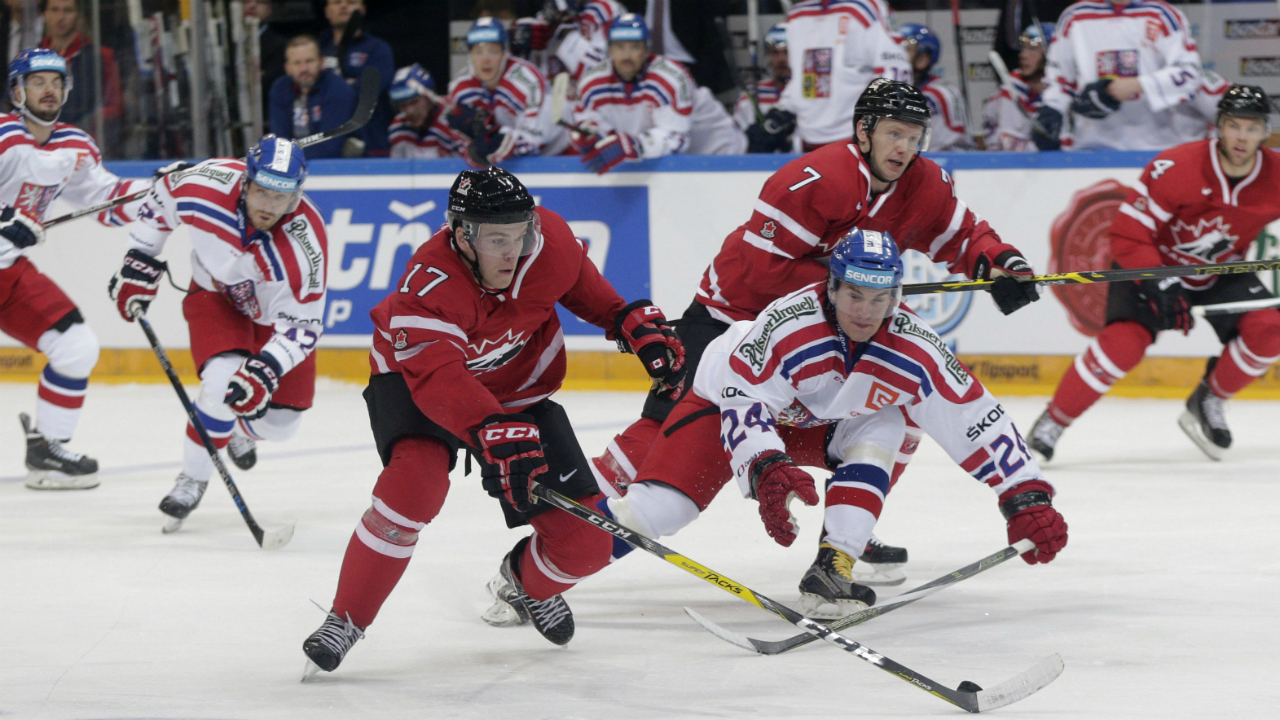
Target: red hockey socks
{"x": 1249, "y": 355}
{"x": 616, "y": 467}
{"x": 562, "y": 551}
{"x": 409, "y": 494}
{"x": 1108, "y": 358}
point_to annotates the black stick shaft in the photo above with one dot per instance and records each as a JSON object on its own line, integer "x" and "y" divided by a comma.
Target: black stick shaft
{"x": 1085, "y": 277}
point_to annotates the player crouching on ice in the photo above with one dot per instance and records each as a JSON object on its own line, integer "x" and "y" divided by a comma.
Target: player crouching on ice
{"x": 256, "y": 305}
{"x": 1201, "y": 202}
{"x": 828, "y": 376}
{"x": 468, "y": 352}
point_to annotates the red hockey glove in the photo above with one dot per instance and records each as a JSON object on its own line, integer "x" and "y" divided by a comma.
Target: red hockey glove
{"x": 1010, "y": 271}
{"x": 19, "y": 229}
{"x": 1028, "y": 510}
{"x": 775, "y": 479}
{"x": 250, "y": 388}
{"x": 1168, "y": 303}
{"x": 609, "y": 153}
{"x": 642, "y": 329}
{"x": 135, "y": 285}
{"x": 584, "y": 136}
{"x": 512, "y": 456}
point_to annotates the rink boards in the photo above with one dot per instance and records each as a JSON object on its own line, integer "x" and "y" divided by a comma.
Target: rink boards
{"x": 653, "y": 228}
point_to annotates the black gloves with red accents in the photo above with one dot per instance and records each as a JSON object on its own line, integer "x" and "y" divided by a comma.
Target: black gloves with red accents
{"x": 250, "y": 388}
{"x": 1167, "y": 300}
{"x": 511, "y": 451}
{"x": 774, "y": 480}
{"x": 1010, "y": 271}
{"x": 641, "y": 328}
{"x": 20, "y": 229}
{"x": 1028, "y": 511}
{"x": 135, "y": 285}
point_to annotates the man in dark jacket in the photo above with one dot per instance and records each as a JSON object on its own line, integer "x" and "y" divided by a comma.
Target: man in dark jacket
{"x": 348, "y": 48}
{"x": 310, "y": 99}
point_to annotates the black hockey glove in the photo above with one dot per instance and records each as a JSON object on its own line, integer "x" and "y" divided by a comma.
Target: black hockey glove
{"x": 469, "y": 120}
{"x": 1094, "y": 102}
{"x": 1010, "y": 273}
{"x": 511, "y": 456}
{"x": 1168, "y": 303}
{"x": 172, "y": 167}
{"x": 1051, "y": 121}
{"x": 19, "y": 229}
{"x": 773, "y": 133}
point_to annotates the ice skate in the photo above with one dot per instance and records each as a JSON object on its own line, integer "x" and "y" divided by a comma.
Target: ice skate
{"x": 327, "y": 646}
{"x": 1204, "y": 422}
{"x": 242, "y": 449}
{"x": 1044, "y": 435}
{"x": 828, "y": 590}
{"x": 551, "y": 617}
{"x": 181, "y": 500}
{"x": 502, "y": 613}
{"x": 880, "y": 564}
{"x": 50, "y": 466}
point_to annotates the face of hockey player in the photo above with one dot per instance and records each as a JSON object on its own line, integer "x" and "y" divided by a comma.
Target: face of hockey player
{"x": 487, "y": 59}
{"x": 1238, "y": 143}
{"x": 627, "y": 56}
{"x": 415, "y": 110}
{"x": 1031, "y": 57}
{"x": 497, "y": 250}
{"x": 265, "y": 207}
{"x": 860, "y": 310}
{"x": 892, "y": 146}
{"x": 338, "y": 12}
{"x": 779, "y": 65}
{"x": 919, "y": 60}
{"x": 43, "y": 94}
{"x": 302, "y": 64}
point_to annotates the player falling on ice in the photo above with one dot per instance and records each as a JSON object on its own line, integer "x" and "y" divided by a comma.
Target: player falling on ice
{"x": 829, "y": 376}
{"x": 468, "y": 352}
{"x": 1202, "y": 202}
{"x": 256, "y": 304}
{"x": 42, "y": 159}
{"x": 879, "y": 183}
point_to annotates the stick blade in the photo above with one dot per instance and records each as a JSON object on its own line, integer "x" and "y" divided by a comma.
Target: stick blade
{"x": 1021, "y": 686}
{"x": 728, "y": 636}
{"x": 278, "y": 538}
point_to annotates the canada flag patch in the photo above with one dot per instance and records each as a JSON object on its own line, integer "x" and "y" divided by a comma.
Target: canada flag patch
{"x": 402, "y": 340}
{"x": 769, "y": 230}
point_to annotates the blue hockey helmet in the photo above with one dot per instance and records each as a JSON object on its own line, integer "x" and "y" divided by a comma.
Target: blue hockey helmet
{"x": 276, "y": 165}
{"x": 1037, "y": 35}
{"x": 776, "y": 38}
{"x": 869, "y": 259}
{"x": 925, "y": 40}
{"x": 628, "y": 27}
{"x": 33, "y": 61}
{"x": 485, "y": 30}
{"x": 410, "y": 82}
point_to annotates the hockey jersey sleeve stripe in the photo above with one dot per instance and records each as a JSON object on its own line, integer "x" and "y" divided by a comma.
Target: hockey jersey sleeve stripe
{"x": 807, "y": 355}
{"x": 1161, "y": 214}
{"x": 786, "y": 221}
{"x": 957, "y": 219}
{"x": 425, "y": 323}
{"x": 547, "y": 357}
{"x": 402, "y": 355}
{"x": 1132, "y": 212}
{"x": 379, "y": 362}
{"x": 766, "y": 245}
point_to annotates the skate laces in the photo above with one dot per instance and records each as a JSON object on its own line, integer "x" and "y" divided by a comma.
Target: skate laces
{"x": 241, "y": 444}
{"x": 188, "y": 489}
{"x": 1048, "y": 429}
{"x": 841, "y": 562}
{"x": 550, "y": 612}
{"x": 58, "y": 451}
{"x": 1213, "y": 406}
{"x": 337, "y": 635}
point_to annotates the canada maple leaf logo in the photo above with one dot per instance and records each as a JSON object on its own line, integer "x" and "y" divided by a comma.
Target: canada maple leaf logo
{"x": 493, "y": 354}
{"x": 769, "y": 230}
{"x": 1206, "y": 240}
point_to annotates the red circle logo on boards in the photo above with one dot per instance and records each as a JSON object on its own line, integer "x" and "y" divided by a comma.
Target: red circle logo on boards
{"x": 1078, "y": 240}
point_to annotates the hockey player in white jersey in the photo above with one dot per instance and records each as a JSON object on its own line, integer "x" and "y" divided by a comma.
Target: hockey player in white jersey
{"x": 1119, "y": 70}
{"x": 256, "y": 306}
{"x": 1006, "y": 115}
{"x": 501, "y": 102}
{"x": 42, "y": 159}
{"x": 566, "y": 35}
{"x": 420, "y": 129}
{"x": 827, "y": 376}
{"x": 836, "y": 48}
{"x": 769, "y": 128}
{"x": 949, "y": 129}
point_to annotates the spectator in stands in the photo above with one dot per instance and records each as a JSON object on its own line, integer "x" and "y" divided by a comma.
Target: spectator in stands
{"x": 642, "y": 105}
{"x": 1119, "y": 74}
{"x": 270, "y": 47}
{"x": 63, "y": 36}
{"x": 1006, "y": 116}
{"x": 769, "y": 129}
{"x": 419, "y": 129}
{"x": 21, "y": 24}
{"x": 948, "y": 130}
{"x": 348, "y": 48}
{"x": 502, "y": 103}
{"x": 310, "y": 98}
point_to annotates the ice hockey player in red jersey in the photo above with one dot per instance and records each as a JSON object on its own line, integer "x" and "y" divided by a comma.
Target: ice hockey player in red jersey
{"x": 1202, "y": 202}
{"x": 829, "y": 376}
{"x": 880, "y": 182}
{"x": 42, "y": 159}
{"x": 256, "y": 306}
{"x": 468, "y": 351}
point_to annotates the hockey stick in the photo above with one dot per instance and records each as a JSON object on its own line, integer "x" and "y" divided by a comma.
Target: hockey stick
{"x": 273, "y": 540}
{"x": 559, "y": 93}
{"x": 772, "y": 647}
{"x": 1103, "y": 276}
{"x": 1006, "y": 81}
{"x": 1232, "y": 308}
{"x": 1010, "y": 691}
{"x": 369, "y": 88}
{"x": 964, "y": 79}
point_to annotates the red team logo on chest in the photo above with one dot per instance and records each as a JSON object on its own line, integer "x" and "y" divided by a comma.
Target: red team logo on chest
{"x": 1118, "y": 63}
{"x": 243, "y": 296}
{"x": 35, "y": 199}
{"x": 881, "y": 396}
{"x": 493, "y": 354}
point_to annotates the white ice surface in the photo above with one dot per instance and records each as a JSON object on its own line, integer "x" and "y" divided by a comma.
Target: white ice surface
{"x": 1163, "y": 605}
